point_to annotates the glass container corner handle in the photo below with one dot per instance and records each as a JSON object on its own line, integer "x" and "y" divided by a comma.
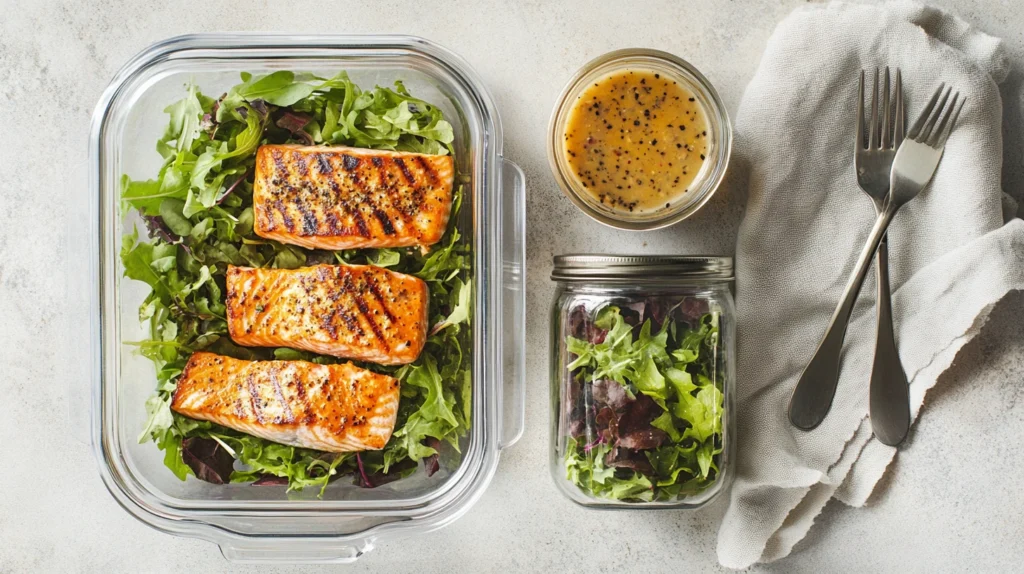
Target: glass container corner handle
{"x": 513, "y": 303}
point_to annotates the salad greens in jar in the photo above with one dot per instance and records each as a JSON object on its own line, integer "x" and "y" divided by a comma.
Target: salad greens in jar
{"x": 643, "y": 405}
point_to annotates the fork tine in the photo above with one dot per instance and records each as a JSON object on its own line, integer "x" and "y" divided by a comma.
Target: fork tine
{"x": 873, "y": 122}
{"x": 915, "y": 130}
{"x": 860, "y": 113}
{"x": 938, "y": 139}
{"x": 899, "y": 131}
{"x": 886, "y": 116}
{"x": 935, "y": 116}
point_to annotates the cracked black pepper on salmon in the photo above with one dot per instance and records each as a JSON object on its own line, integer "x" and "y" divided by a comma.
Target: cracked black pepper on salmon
{"x": 353, "y": 311}
{"x": 336, "y": 198}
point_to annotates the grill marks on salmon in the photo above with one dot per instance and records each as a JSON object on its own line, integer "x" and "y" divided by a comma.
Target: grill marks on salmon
{"x": 335, "y": 198}
{"x": 333, "y": 408}
{"x": 353, "y": 311}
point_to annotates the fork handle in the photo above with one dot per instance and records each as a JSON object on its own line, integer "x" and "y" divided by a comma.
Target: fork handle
{"x": 890, "y": 395}
{"x": 812, "y": 397}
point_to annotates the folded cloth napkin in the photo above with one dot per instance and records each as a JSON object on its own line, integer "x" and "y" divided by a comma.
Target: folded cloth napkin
{"x": 953, "y": 255}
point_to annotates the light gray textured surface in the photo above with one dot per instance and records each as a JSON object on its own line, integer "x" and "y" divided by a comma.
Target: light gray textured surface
{"x": 953, "y": 498}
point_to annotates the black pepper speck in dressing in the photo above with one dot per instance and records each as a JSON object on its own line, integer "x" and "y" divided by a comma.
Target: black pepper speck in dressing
{"x": 636, "y": 140}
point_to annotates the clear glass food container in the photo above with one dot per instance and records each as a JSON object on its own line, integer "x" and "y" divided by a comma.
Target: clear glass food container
{"x": 642, "y": 369}
{"x": 719, "y": 138}
{"x": 267, "y": 523}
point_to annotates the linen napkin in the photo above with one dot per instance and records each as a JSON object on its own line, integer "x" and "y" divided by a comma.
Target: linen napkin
{"x": 952, "y": 253}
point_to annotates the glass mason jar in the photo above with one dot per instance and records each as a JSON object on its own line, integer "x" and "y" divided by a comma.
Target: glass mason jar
{"x": 642, "y": 379}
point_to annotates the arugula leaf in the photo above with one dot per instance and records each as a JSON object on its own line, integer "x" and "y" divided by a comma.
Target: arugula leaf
{"x": 184, "y": 125}
{"x": 279, "y": 88}
{"x": 462, "y": 294}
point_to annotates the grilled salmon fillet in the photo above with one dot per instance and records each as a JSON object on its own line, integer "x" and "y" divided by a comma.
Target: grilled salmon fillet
{"x": 352, "y": 311}
{"x": 342, "y": 198}
{"x": 334, "y": 408}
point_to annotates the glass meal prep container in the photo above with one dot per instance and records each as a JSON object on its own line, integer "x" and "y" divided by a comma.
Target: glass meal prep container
{"x": 642, "y": 377}
{"x": 266, "y": 523}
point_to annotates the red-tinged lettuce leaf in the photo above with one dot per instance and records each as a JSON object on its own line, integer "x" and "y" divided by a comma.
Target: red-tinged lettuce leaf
{"x": 630, "y": 459}
{"x": 611, "y": 393}
{"x": 639, "y": 414}
{"x": 691, "y": 310}
{"x": 270, "y": 480}
{"x": 634, "y": 426}
{"x": 292, "y": 121}
{"x": 431, "y": 463}
{"x": 642, "y": 439}
{"x": 607, "y": 424}
{"x": 578, "y": 320}
{"x": 157, "y": 228}
{"x": 210, "y": 461}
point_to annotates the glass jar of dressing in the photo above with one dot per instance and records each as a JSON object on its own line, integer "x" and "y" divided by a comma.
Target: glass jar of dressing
{"x": 642, "y": 379}
{"x": 639, "y": 139}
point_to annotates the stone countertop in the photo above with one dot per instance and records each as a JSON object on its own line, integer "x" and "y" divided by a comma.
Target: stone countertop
{"x": 952, "y": 499}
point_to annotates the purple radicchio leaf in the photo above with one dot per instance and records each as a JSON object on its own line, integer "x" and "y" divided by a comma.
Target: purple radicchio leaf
{"x": 270, "y": 480}
{"x": 607, "y": 423}
{"x": 640, "y": 413}
{"x": 631, "y": 459}
{"x": 260, "y": 107}
{"x": 209, "y": 460}
{"x": 596, "y": 334}
{"x": 641, "y": 439}
{"x": 581, "y": 326}
{"x": 634, "y": 426}
{"x": 579, "y": 319}
{"x": 158, "y": 228}
{"x": 611, "y": 393}
{"x": 394, "y": 473}
{"x": 657, "y": 311}
{"x": 292, "y": 121}
{"x": 431, "y": 463}
{"x": 691, "y": 310}
{"x": 578, "y": 396}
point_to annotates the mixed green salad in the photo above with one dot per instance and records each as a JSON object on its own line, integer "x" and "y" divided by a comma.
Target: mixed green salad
{"x": 199, "y": 216}
{"x": 644, "y": 405}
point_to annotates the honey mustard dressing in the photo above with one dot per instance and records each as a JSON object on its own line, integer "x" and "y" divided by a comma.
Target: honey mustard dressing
{"x": 636, "y": 140}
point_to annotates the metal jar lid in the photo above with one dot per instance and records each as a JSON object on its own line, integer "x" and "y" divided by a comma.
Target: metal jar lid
{"x": 640, "y": 268}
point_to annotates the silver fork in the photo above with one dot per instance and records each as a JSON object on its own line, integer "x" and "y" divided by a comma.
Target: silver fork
{"x": 873, "y": 162}
{"x": 912, "y": 169}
